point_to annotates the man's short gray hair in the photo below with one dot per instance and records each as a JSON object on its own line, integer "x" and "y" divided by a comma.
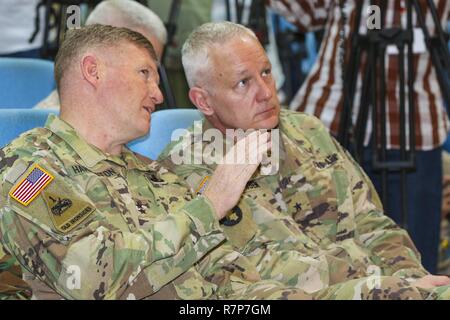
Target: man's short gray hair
{"x": 131, "y": 13}
{"x": 195, "y": 51}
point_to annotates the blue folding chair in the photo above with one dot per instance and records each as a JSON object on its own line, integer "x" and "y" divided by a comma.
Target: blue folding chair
{"x": 163, "y": 123}
{"x": 13, "y": 122}
{"x": 24, "y": 82}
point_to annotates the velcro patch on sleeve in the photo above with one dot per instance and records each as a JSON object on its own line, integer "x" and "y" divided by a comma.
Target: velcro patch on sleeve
{"x": 27, "y": 189}
{"x": 16, "y": 171}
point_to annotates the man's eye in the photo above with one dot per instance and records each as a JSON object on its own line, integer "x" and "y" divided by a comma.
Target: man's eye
{"x": 266, "y": 72}
{"x": 242, "y": 83}
{"x": 145, "y": 72}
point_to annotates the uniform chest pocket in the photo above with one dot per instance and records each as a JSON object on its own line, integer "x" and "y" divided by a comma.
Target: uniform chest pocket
{"x": 170, "y": 192}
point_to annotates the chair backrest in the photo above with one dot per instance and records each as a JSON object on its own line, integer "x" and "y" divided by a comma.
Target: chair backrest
{"x": 13, "y": 122}
{"x": 163, "y": 123}
{"x": 24, "y": 82}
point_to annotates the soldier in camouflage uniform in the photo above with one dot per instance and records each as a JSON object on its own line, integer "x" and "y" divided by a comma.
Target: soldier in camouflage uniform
{"x": 87, "y": 218}
{"x": 317, "y": 224}
{"x": 123, "y": 13}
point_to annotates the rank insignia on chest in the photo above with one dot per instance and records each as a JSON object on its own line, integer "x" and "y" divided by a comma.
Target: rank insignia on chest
{"x": 29, "y": 187}
{"x": 233, "y": 218}
{"x": 239, "y": 225}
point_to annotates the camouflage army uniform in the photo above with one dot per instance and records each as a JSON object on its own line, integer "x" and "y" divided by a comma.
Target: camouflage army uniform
{"x": 139, "y": 233}
{"x": 130, "y": 227}
{"x": 316, "y": 225}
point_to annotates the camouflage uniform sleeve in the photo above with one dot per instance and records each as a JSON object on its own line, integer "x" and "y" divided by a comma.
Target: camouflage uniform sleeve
{"x": 307, "y": 15}
{"x": 12, "y": 287}
{"x": 365, "y": 288}
{"x": 391, "y": 246}
{"x": 112, "y": 262}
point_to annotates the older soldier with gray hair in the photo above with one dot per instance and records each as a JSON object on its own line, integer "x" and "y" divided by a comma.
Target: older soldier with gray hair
{"x": 127, "y": 14}
{"x": 317, "y": 224}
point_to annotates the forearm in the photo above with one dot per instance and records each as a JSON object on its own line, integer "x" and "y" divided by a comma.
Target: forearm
{"x": 367, "y": 288}
{"x": 391, "y": 245}
{"x": 388, "y": 244}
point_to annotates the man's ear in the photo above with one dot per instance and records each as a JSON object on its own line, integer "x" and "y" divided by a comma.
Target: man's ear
{"x": 89, "y": 69}
{"x": 199, "y": 97}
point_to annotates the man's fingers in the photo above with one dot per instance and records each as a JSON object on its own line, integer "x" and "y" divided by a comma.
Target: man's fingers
{"x": 431, "y": 281}
{"x": 441, "y": 281}
{"x": 251, "y": 149}
{"x": 258, "y": 144}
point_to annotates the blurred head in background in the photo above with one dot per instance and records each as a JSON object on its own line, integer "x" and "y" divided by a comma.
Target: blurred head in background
{"x": 132, "y": 15}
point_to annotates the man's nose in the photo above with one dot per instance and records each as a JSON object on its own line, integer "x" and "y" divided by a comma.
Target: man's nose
{"x": 264, "y": 89}
{"x": 155, "y": 93}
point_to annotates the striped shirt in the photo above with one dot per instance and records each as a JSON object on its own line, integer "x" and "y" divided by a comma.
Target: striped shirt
{"x": 321, "y": 93}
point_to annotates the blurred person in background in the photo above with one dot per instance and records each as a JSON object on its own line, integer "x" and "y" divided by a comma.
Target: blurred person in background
{"x": 15, "y": 37}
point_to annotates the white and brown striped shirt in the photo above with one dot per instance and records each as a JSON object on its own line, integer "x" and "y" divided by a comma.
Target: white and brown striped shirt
{"x": 321, "y": 93}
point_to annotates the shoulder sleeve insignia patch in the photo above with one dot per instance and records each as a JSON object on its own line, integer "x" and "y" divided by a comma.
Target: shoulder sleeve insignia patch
{"x": 26, "y": 190}
{"x": 46, "y": 198}
{"x": 66, "y": 213}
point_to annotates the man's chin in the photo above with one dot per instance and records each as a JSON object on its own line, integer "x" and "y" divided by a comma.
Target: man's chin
{"x": 141, "y": 132}
{"x": 274, "y": 124}
{"x": 269, "y": 123}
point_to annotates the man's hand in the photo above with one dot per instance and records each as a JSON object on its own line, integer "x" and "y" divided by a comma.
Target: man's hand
{"x": 431, "y": 281}
{"x": 229, "y": 180}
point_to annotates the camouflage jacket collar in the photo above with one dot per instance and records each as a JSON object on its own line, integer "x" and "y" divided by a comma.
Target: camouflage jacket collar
{"x": 137, "y": 161}
{"x": 89, "y": 154}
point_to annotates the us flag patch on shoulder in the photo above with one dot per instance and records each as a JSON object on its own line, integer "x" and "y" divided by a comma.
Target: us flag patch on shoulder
{"x": 30, "y": 187}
